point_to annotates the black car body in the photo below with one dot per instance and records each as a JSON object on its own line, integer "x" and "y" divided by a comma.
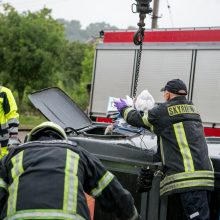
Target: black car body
{"x": 124, "y": 153}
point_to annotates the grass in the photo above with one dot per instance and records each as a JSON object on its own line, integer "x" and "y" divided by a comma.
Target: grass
{"x": 30, "y": 121}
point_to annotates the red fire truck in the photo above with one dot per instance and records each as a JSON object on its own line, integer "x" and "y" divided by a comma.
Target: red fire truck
{"x": 192, "y": 55}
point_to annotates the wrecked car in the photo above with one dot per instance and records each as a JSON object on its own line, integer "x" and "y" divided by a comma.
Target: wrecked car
{"x": 124, "y": 153}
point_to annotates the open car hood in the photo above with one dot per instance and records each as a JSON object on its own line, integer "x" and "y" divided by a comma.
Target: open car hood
{"x": 59, "y": 108}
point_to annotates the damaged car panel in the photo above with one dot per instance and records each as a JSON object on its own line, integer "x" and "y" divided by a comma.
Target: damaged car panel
{"x": 123, "y": 152}
{"x": 122, "y": 145}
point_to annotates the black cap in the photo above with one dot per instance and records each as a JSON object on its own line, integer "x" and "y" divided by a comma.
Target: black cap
{"x": 176, "y": 86}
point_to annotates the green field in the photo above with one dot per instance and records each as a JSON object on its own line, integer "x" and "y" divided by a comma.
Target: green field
{"x": 30, "y": 121}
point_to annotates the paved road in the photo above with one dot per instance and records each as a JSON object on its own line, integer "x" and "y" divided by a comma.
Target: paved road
{"x": 22, "y": 133}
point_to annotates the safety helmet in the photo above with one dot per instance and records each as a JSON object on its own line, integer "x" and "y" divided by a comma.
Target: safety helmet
{"x": 46, "y": 129}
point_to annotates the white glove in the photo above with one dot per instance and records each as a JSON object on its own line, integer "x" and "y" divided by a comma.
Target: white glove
{"x": 144, "y": 101}
{"x": 109, "y": 130}
{"x": 13, "y": 140}
{"x": 129, "y": 101}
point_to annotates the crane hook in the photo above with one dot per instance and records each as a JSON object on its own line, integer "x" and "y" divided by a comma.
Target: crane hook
{"x": 139, "y": 36}
{"x": 143, "y": 8}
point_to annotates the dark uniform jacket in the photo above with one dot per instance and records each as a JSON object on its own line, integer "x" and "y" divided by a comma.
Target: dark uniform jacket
{"x": 183, "y": 147}
{"x": 47, "y": 180}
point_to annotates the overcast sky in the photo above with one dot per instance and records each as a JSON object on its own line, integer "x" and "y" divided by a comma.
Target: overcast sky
{"x": 182, "y": 13}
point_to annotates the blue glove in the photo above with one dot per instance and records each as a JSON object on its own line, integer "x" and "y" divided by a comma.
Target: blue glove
{"x": 120, "y": 104}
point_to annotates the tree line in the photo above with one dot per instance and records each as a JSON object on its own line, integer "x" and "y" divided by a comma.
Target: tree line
{"x": 35, "y": 54}
{"x": 38, "y": 51}
{"x": 74, "y": 32}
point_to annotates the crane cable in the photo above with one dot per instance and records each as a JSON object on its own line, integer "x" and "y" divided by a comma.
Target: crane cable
{"x": 138, "y": 40}
{"x": 143, "y": 8}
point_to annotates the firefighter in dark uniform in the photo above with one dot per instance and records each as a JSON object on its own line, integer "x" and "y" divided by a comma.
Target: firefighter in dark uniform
{"x": 187, "y": 167}
{"x": 46, "y": 177}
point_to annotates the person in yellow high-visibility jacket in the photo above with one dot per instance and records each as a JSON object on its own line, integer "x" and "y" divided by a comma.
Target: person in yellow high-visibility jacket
{"x": 9, "y": 120}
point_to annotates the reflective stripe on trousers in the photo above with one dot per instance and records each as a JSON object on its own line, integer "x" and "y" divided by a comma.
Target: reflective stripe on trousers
{"x": 200, "y": 178}
{"x": 202, "y": 174}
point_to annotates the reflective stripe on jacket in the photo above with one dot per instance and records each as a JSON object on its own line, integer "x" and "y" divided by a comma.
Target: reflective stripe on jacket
{"x": 9, "y": 118}
{"x": 47, "y": 180}
{"x": 183, "y": 147}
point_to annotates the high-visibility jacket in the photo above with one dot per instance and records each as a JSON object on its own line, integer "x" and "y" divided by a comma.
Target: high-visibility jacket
{"x": 47, "y": 180}
{"x": 182, "y": 144}
{"x": 9, "y": 118}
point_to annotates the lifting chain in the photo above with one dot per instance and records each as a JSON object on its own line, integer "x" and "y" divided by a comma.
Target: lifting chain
{"x": 143, "y": 8}
{"x": 139, "y": 37}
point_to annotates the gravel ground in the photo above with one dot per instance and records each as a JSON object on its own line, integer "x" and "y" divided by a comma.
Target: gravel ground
{"x": 21, "y": 134}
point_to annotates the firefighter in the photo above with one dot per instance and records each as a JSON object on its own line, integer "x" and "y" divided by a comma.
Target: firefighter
{"x": 187, "y": 167}
{"x": 9, "y": 120}
{"x": 46, "y": 177}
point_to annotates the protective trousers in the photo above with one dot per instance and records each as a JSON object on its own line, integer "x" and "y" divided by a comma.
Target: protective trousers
{"x": 195, "y": 205}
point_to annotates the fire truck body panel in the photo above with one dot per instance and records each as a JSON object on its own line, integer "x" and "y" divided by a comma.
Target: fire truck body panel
{"x": 191, "y": 55}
